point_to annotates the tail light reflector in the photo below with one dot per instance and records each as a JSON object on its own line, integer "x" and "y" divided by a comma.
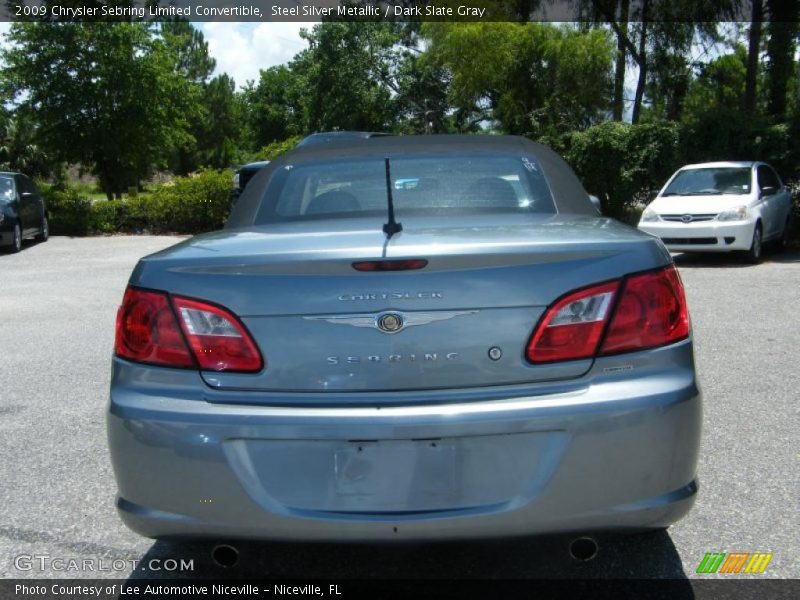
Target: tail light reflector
{"x": 217, "y": 338}
{"x": 153, "y": 329}
{"x": 572, "y": 327}
{"x": 147, "y": 331}
{"x": 651, "y": 312}
{"x": 639, "y": 312}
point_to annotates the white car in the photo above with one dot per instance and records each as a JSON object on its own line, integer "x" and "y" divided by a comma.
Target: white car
{"x": 720, "y": 207}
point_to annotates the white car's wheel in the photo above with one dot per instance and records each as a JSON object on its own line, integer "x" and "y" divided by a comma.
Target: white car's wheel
{"x": 753, "y": 255}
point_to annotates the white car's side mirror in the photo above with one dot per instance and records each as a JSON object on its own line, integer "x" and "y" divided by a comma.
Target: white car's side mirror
{"x": 769, "y": 190}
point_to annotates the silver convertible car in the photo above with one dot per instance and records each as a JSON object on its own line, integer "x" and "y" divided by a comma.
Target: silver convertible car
{"x": 397, "y": 338}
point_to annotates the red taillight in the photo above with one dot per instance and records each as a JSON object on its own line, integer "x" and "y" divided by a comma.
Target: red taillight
{"x": 151, "y": 331}
{"x": 651, "y": 311}
{"x": 218, "y": 340}
{"x": 148, "y": 332}
{"x": 572, "y": 327}
{"x": 390, "y": 265}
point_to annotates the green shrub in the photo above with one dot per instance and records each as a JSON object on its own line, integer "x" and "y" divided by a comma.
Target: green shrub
{"x": 275, "y": 149}
{"x": 185, "y": 205}
{"x": 103, "y": 216}
{"x": 191, "y": 204}
{"x": 620, "y": 162}
{"x": 69, "y": 211}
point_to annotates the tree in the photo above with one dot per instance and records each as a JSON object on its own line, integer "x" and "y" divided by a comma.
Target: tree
{"x": 631, "y": 41}
{"x": 669, "y": 69}
{"x": 19, "y": 150}
{"x": 207, "y": 125}
{"x": 219, "y": 128}
{"x": 273, "y": 107}
{"x": 359, "y": 75}
{"x": 343, "y": 75}
{"x": 657, "y": 35}
{"x": 190, "y": 49}
{"x": 532, "y": 79}
{"x": 620, "y": 63}
{"x": 753, "y": 50}
{"x": 105, "y": 95}
{"x": 421, "y": 86}
{"x": 781, "y": 47}
{"x": 719, "y": 85}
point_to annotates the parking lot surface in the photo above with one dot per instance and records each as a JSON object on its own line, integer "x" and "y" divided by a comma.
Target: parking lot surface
{"x": 57, "y": 307}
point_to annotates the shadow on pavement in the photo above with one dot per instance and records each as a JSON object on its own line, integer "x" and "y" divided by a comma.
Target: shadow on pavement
{"x": 731, "y": 260}
{"x": 789, "y": 256}
{"x": 646, "y": 556}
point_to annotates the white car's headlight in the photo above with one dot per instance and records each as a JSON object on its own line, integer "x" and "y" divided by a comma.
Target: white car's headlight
{"x": 733, "y": 214}
{"x": 649, "y": 215}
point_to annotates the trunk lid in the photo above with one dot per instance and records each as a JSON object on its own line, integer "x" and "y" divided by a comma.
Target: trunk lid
{"x": 314, "y": 317}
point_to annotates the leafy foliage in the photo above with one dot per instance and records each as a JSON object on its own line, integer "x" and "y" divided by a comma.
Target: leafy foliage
{"x": 218, "y": 131}
{"x": 19, "y": 150}
{"x": 620, "y": 162}
{"x": 531, "y": 79}
{"x": 273, "y": 106}
{"x": 276, "y": 149}
{"x": 104, "y": 94}
{"x": 125, "y": 99}
{"x": 190, "y": 49}
{"x": 185, "y": 205}
{"x": 345, "y": 66}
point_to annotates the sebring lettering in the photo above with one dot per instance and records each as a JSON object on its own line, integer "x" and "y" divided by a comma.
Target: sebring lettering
{"x": 392, "y": 358}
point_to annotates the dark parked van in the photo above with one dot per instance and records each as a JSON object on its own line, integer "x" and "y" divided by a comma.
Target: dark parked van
{"x": 23, "y": 213}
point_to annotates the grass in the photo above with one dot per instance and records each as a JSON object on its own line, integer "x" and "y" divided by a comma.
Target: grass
{"x": 94, "y": 193}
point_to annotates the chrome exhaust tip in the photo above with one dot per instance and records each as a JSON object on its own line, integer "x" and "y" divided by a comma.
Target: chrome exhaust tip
{"x": 225, "y": 555}
{"x": 583, "y": 549}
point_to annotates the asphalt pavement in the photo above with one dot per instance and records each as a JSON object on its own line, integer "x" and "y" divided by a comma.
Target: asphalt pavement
{"x": 57, "y": 306}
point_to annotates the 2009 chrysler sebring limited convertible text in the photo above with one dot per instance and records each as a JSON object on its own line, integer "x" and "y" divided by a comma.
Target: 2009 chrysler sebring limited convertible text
{"x": 406, "y": 338}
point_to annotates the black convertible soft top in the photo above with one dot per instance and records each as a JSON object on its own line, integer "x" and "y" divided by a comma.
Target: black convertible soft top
{"x": 568, "y": 193}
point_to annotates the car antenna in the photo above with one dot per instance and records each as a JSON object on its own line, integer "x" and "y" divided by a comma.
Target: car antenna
{"x": 391, "y": 226}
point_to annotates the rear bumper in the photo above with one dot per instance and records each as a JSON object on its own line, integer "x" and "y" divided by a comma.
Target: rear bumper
{"x": 704, "y": 236}
{"x": 609, "y": 453}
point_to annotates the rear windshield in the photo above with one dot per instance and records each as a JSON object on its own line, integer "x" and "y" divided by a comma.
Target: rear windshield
{"x": 436, "y": 184}
{"x": 702, "y": 182}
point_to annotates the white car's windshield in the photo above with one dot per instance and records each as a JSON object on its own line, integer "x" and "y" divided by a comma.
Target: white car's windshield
{"x": 710, "y": 181}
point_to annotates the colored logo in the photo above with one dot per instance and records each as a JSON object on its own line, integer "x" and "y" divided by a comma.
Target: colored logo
{"x": 734, "y": 562}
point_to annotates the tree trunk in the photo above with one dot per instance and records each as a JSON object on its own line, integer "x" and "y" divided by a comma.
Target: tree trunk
{"x": 753, "y": 50}
{"x": 640, "y": 84}
{"x": 105, "y": 185}
{"x": 780, "y": 50}
{"x": 619, "y": 67}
